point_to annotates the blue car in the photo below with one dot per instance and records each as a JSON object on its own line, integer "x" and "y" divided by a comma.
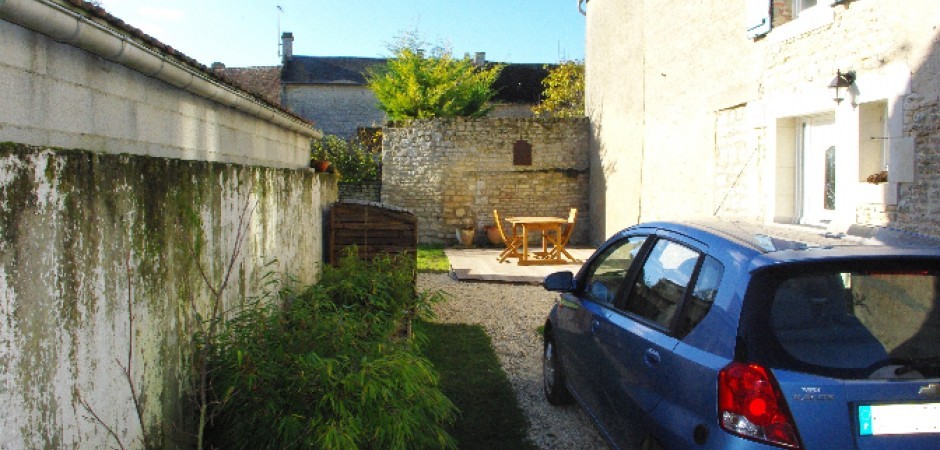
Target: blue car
{"x": 728, "y": 335}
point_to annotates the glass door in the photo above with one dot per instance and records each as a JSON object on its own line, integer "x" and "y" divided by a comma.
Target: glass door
{"x": 816, "y": 180}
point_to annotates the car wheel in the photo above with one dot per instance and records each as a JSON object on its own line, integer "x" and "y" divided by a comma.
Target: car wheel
{"x": 553, "y": 380}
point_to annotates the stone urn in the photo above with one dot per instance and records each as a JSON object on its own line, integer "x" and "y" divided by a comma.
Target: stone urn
{"x": 465, "y": 236}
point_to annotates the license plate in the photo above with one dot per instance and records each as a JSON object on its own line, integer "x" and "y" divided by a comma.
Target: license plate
{"x": 914, "y": 418}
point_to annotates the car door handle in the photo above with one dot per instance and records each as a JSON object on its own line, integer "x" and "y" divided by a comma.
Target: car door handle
{"x": 651, "y": 358}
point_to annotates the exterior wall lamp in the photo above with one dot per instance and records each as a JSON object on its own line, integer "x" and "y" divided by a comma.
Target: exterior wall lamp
{"x": 842, "y": 80}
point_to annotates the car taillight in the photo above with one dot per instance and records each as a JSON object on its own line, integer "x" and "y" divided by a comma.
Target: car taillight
{"x": 750, "y": 405}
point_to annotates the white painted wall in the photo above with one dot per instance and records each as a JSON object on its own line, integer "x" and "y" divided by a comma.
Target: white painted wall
{"x": 58, "y": 95}
{"x": 92, "y": 237}
{"x": 88, "y": 240}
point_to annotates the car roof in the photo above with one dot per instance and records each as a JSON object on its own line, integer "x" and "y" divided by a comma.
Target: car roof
{"x": 778, "y": 243}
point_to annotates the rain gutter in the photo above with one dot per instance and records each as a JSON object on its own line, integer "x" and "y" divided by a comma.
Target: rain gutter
{"x": 71, "y": 27}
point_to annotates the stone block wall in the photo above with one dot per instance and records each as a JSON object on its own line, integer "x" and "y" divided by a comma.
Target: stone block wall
{"x": 454, "y": 172}
{"x": 918, "y": 206}
{"x": 369, "y": 191}
{"x": 737, "y": 183}
{"x": 718, "y": 129}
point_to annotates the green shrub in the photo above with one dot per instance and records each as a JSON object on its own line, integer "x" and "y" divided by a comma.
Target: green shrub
{"x": 351, "y": 158}
{"x": 326, "y": 370}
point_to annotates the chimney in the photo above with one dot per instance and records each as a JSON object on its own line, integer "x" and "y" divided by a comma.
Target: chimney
{"x": 287, "y": 46}
{"x": 479, "y": 59}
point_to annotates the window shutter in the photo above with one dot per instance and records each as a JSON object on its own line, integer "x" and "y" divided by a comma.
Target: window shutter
{"x": 758, "y": 18}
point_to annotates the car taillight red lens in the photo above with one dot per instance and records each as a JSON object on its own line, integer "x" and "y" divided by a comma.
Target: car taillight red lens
{"x": 750, "y": 404}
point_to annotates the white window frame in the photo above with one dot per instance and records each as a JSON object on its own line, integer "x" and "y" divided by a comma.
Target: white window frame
{"x": 804, "y": 21}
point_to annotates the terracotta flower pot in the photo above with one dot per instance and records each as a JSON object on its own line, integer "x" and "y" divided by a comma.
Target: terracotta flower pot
{"x": 321, "y": 165}
{"x": 492, "y": 234}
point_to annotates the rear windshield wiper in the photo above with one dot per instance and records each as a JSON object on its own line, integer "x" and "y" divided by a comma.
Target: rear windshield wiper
{"x": 918, "y": 364}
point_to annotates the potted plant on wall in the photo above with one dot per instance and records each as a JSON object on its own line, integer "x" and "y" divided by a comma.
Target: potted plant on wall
{"x": 319, "y": 155}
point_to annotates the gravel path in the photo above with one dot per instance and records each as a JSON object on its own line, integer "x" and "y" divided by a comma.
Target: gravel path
{"x": 511, "y": 315}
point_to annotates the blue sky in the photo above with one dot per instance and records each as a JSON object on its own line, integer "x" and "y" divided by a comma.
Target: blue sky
{"x": 245, "y": 32}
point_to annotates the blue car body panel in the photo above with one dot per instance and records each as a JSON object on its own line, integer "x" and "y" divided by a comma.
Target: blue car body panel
{"x": 640, "y": 381}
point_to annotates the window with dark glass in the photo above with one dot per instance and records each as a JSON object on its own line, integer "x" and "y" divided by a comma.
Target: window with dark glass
{"x": 610, "y": 269}
{"x": 829, "y": 202}
{"x": 864, "y": 322}
{"x": 662, "y": 282}
{"x": 703, "y": 295}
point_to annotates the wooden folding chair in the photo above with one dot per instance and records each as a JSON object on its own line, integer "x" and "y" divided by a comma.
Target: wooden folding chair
{"x": 512, "y": 242}
{"x": 559, "y": 242}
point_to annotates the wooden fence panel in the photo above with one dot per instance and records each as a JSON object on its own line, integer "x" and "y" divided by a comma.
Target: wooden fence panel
{"x": 373, "y": 228}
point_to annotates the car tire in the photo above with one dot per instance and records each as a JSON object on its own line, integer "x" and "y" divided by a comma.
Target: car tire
{"x": 553, "y": 379}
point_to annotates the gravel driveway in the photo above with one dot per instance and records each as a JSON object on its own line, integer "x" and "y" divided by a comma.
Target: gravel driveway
{"x": 511, "y": 315}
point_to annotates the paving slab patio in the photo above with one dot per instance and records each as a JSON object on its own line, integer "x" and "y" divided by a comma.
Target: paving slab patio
{"x": 480, "y": 264}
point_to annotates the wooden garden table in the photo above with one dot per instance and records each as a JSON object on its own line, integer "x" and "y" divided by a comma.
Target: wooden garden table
{"x": 543, "y": 225}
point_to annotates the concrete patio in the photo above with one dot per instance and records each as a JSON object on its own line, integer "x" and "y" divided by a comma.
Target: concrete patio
{"x": 480, "y": 264}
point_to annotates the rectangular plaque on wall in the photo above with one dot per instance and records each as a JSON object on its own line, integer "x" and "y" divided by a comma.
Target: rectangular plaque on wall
{"x": 522, "y": 153}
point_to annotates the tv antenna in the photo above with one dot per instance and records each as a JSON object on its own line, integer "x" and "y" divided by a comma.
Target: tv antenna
{"x": 279, "y": 40}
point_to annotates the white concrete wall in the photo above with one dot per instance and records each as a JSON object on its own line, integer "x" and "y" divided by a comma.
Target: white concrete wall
{"x": 53, "y": 94}
{"x": 89, "y": 240}
{"x": 111, "y": 240}
{"x": 335, "y": 109}
{"x": 690, "y": 117}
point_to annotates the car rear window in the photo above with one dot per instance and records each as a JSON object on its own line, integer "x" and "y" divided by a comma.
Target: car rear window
{"x": 861, "y": 322}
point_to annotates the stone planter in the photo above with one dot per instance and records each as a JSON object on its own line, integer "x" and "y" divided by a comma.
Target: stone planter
{"x": 465, "y": 236}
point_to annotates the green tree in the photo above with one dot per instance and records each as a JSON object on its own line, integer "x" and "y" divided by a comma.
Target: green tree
{"x": 416, "y": 84}
{"x": 564, "y": 91}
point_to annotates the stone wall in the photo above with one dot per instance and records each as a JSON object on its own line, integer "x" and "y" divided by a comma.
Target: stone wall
{"x": 737, "y": 181}
{"x": 104, "y": 254}
{"x": 454, "y": 172}
{"x": 919, "y": 203}
{"x": 369, "y": 191}
{"x": 710, "y": 120}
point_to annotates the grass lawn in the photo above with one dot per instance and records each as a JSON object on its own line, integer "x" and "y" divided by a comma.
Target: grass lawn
{"x": 472, "y": 378}
{"x": 431, "y": 258}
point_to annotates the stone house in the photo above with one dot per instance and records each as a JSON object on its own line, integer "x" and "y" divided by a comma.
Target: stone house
{"x": 332, "y": 92}
{"x": 815, "y": 112}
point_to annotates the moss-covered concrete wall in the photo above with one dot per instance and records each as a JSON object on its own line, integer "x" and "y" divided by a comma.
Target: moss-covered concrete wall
{"x": 101, "y": 264}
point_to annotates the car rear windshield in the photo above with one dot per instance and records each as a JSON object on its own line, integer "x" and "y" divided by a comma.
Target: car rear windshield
{"x": 866, "y": 321}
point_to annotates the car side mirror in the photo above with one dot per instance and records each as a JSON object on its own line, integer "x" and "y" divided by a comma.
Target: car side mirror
{"x": 559, "y": 282}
